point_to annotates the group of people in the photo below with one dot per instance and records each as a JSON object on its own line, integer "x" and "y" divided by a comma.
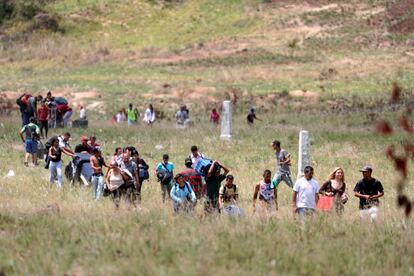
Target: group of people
{"x": 131, "y": 116}
{"x": 47, "y": 111}
{"x": 202, "y": 180}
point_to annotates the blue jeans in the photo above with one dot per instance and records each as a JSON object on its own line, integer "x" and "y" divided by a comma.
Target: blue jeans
{"x": 66, "y": 117}
{"x": 55, "y": 171}
{"x": 30, "y": 146}
{"x": 98, "y": 185}
{"x": 304, "y": 212}
{"x": 283, "y": 176}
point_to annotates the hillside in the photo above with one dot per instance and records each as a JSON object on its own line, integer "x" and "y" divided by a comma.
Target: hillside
{"x": 208, "y": 50}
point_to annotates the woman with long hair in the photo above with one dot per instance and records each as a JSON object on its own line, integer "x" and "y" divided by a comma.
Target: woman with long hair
{"x": 335, "y": 186}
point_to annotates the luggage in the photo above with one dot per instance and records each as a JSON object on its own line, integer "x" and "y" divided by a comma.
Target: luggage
{"x": 80, "y": 123}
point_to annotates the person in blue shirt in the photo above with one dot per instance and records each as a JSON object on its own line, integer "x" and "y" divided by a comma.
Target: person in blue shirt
{"x": 165, "y": 173}
{"x": 182, "y": 195}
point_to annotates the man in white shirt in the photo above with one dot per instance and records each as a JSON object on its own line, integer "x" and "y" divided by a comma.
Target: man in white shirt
{"x": 82, "y": 113}
{"x": 305, "y": 194}
{"x": 195, "y": 156}
{"x": 64, "y": 145}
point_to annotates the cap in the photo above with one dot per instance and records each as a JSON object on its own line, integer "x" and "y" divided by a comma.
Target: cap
{"x": 188, "y": 161}
{"x": 96, "y": 149}
{"x": 84, "y": 138}
{"x": 366, "y": 169}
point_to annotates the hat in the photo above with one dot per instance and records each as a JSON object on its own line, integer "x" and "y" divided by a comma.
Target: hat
{"x": 84, "y": 138}
{"x": 96, "y": 149}
{"x": 366, "y": 169}
{"x": 188, "y": 161}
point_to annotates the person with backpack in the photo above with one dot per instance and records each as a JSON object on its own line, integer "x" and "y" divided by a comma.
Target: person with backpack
{"x": 191, "y": 176}
{"x": 182, "y": 195}
{"x": 195, "y": 156}
{"x": 165, "y": 173}
{"x": 63, "y": 145}
{"x": 142, "y": 168}
{"x": 32, "y": 133}
{"x": 213, "y": 180}
{"x": 228, "y": 193}
{"x": 55, "y": 166}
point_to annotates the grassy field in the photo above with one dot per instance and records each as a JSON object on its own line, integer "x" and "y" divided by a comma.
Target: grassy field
{"x": 324, "y": 67}
{"x": 75, "y": 235}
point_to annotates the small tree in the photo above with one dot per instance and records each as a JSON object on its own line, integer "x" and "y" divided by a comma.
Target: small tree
{"x": 402, "y": 152}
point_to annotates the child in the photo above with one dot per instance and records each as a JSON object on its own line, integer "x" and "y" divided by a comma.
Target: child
{"x": 266, "y": 191}
{"x": 214, "y": 116}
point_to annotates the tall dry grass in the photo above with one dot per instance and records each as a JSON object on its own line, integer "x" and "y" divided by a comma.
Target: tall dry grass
{"x": 52, "y": 231}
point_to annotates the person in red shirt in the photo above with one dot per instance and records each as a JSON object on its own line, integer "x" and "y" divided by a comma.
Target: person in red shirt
{"x": 43, "y": 116}
{"x": 65, "y": 113}
{"x": 192, "y": 177}
{"x": 214, "y": 116}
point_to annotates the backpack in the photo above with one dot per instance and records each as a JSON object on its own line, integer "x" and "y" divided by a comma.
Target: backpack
{"x": 203, "y": 166}
{"x": 164, "y": 177}
{"x": 31, "y": 132}
{"x": 225, "y": 188}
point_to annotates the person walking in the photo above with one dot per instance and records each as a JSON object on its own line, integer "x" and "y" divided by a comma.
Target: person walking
{"x": 55, "y": 165}
{"x": 195, "y": 156}
{"x": 305, "y": 194}
{"x": 368, "y": 190}
{"x": 213, "y": 182}
{"x": 43, "y": 117}
{"x": 149, "y": 115}
{"x": 266, "y": 192}
{"x": 192, "y": 177}
{"x": 214, "y": 116}
{"x": 132, "y": 115}
{"x": 32, "y": 135}
{"x": 335, "y": 190}
{"x": 182, "y": 195}
{"x": 283, "y": 163}
{"x": 97, "y": 162}
{"x": 229, "y": 197}
{"x": 165, "y": 173}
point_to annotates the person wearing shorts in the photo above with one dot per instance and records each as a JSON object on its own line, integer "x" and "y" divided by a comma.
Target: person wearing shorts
{"x": 32, "y": 134}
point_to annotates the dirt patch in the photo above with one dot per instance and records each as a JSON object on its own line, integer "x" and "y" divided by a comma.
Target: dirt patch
{"x": 196, "y": 94}
{"x": 307, "y": 95}
{"x": 400, "y": 17}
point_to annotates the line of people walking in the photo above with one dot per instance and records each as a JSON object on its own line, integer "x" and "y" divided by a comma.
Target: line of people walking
{"x": 202, "y": 178}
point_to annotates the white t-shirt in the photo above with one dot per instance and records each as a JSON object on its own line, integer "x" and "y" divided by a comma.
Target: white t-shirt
{"x": 82, "y": 113}
{"x": 149, "y": 117}
{"x": 306, "y": 189}
{"x": 62, "y": 143}
{"x": 195, "y": 160}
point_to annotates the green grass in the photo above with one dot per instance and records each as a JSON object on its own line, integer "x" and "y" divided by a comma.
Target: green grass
{"x": 85, "y": 237}
{"x": 123, "y": 49}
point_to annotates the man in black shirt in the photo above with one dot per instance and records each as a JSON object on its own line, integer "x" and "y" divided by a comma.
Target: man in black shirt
{"x": 213, "y": 182}
{"x": 368, "y": 189}
{"x": 83, "y": 147}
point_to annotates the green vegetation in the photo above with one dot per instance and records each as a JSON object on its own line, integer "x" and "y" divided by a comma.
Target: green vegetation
{"x": 199, "y": 53}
